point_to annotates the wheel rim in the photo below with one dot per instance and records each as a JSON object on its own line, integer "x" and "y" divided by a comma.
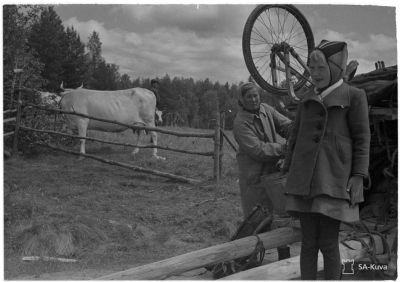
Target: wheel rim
{"x": 268, "y": 27}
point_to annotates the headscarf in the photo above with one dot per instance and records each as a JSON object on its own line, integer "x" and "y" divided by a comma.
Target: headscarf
{"x": 335, "y": 53}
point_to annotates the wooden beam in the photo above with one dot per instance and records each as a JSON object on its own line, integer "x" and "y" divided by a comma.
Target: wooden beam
{"x": 9, "y": 119}
{"x": 9, "y": 111}
{"x": 290, "y": 268}
{"x": 215, "y": 254}
{"x": 229, "y": 141}
{"x": 286, "y": 269}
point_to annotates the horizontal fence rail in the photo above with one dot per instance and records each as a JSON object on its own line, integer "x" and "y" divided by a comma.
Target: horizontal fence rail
{"x": 149, "y": 128}
{"x": 116, "y": 143}
{"x": 9, "y": 119}
{"x": 124, "y": 165}
{"x": 9, "y": 111}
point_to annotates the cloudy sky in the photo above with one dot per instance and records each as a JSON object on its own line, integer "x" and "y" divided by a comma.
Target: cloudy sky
{"x": 204, "y": 41}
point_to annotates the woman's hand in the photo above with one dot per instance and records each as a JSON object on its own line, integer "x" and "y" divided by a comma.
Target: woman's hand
{"x": 355, "y": 188}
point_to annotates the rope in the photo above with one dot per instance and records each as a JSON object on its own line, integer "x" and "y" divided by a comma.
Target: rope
{"x": 229, "y": 267}
{"x": 370, "y": 248}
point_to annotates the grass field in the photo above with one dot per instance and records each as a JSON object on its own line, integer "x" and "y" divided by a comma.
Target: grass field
{"x": 110, "y": 218}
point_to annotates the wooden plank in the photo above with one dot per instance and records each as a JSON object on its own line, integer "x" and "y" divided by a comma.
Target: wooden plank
{"x": 290, "y": 268}
{"x": 9, "y": 111}
{"x": 9, "y": 119}
{"x": 18, "y": 121}
{"x": 286, "y": 269}
{"x": 229, "y": 141}
{"x": 45, "y": 258}
{"x": 217, "y": 149}
{"x": 208, "y": 256}
{"x": 383, "y": 113}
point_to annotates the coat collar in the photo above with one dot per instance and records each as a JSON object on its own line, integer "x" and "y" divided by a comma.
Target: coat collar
{"x": 250, "y": 116}
{"x": 338, "y": 97}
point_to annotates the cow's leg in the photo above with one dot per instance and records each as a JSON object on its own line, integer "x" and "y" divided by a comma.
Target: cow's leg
{"x": 153, "y": 135}
{"x": 82, "y": 131}
{"x": 137, "y": 132}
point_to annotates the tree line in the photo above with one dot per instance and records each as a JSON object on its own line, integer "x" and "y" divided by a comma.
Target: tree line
{"x": 35, "y": 40}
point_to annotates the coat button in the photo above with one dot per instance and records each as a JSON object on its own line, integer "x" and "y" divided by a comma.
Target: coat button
{"x": 316, "y": 139}
{"x": 321, "y": 113}
{"x": 319, "y": 126}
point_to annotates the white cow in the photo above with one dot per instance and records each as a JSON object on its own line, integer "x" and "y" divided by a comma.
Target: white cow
{"x": 135, "y": 106}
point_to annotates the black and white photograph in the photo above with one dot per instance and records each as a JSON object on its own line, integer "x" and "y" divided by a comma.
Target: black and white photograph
{"x": 200, "y": 140}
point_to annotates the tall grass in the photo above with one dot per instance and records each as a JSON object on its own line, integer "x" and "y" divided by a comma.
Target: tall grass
{"x": 56, "y": 205}
{"x": 177, "y": 163}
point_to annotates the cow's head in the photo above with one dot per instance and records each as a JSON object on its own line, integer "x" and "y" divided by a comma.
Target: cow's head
{"x": 158, "y": 120}
{"x": 49, "y": 99}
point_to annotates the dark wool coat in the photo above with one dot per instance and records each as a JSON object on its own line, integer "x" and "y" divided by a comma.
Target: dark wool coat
{"x": 259, "y": 150}
{"x": 330, "y": 143}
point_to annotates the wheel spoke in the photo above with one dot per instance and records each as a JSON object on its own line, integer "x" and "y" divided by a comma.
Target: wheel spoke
{"x": 294, "y": 23}
{"x": 267, "y": 27}
{"x": 257, "y": 32}
{"x": 264, "y": 24}
{"x": 273, "y": 31}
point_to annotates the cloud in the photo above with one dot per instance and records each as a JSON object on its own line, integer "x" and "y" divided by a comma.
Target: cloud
{"x": 183, "y": 40}
{"x": 169, "y": 50}
{"x": 366, "y": 50}
{"x": 204, "y": 20}
{"x": 85, "y": 28}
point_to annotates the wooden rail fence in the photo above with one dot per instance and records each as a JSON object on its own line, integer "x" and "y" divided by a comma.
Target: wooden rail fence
{"x": 9, "y": 120}
{"x": 217, "y": 137}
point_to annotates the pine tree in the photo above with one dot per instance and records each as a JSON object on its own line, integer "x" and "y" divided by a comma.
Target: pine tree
{"x": 125, "y": 82}
{"x": 46, "y": 40}
{"x": 94, "y": 58}
{"x": 75, "y": 65}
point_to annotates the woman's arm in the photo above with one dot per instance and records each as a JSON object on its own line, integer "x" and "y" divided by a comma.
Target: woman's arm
{"x": 282, "y": 123}
{"x": 250, "y": 143}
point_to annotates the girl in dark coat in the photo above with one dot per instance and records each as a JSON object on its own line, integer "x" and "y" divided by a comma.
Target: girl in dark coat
{"x": 328, "y": 158}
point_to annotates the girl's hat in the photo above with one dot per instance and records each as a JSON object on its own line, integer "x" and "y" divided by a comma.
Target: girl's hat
{"x": 336, "y": 54}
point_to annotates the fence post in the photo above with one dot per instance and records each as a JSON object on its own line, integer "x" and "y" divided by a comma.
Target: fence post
{"x": 221, "y": 142}
{"x": 217, "y": 147}
{"x": 18, "y": 119}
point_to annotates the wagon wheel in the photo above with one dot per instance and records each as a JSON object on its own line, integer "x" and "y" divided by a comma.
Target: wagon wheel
{"x": 273, "y": 35}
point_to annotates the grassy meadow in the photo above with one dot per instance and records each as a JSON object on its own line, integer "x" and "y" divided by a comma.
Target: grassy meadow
{"x": 109, "y": 218}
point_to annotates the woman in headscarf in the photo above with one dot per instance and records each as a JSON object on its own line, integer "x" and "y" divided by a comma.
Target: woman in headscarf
{"x": 255, "y": 129}
{"x": 328, "y": 159}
